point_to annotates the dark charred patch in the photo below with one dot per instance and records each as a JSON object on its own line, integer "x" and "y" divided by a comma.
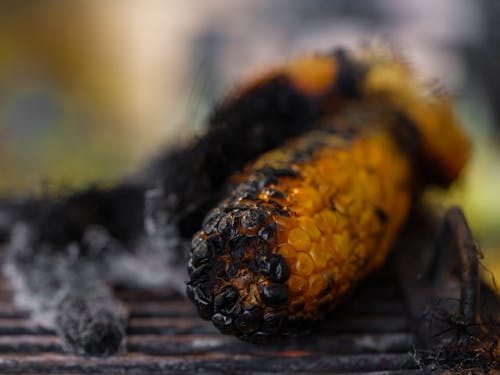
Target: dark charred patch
{"x": 197, "y": 239}
{"x": 275, "y": 268}
{"x": 239, "y": 246}
{"x": 274, "y": 295}
{"x": 211, "y": 220}
{"x": 232, "y": 270}
{"x": 201, "y": 296}
{"x": 349, "y": 76}
{"x": 225, "y": 300}
{"x": 406, "y": 133}
{"x": 273, "y": 193}
{"x": 382, "y": 215}
{"x": 249, "y": 320}
{"x": 267, "y": 232}
{"x": 272, "y": 322}
{"x": 253, "y": 218}
{"x": 215, "y": 245}
{"x": 197, "y": 272}
{"x": 275, "y": 100}
{"x": 200, "y": 255}
{"x": 227, "y": 226}
{"x": 223, "y": 323}
{"x": 249, "y": 194}
{"x": 218, "y": 267}
{"x": 280, "y": 212}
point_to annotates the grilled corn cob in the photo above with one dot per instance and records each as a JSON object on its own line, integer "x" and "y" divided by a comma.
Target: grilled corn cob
{"x": 302, "y": 224}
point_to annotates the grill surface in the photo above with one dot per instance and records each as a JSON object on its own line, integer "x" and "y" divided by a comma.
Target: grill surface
{"x": 371, "y": 333}
{"x": 380, "y": 329}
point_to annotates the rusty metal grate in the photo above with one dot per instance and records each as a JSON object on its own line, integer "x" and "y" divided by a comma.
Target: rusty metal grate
{"x": 371, "y": 333}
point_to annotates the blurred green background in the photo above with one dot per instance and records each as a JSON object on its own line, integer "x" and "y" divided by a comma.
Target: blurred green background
{"x": 90, "y": 90}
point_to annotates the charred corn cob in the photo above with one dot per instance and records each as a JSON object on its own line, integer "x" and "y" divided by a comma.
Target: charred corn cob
{"x": 302, "y": 224}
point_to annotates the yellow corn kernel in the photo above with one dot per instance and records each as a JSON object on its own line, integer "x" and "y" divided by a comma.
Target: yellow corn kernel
{"x": 297, "y": 284}
{"x": 299, "y": 239}
{"x": 304, "y": 265}
{"x": 287, "y": 251}
{"x": 319, "y": 256}
{"x": 308, "y": 225}
{"x": 305, "y": 200}
{"x": 316, "y": 284}
{"x": 327, "y": 221}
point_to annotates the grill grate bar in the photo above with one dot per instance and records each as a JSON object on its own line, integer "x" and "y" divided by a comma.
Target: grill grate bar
{"x": 216, "y": 362}
{"x": 183, "y": 325}
{"x": 191, "y": 344}
{"x": 183, "y": 309}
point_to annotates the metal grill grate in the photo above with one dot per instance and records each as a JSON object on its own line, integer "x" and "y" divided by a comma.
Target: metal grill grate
{"x": 376, "y": 331}
{"x": 371, "y": 333}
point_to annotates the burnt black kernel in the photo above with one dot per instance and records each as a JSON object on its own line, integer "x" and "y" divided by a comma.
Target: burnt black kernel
{"x": 271, "y": 322}
{"x": 261, "y": 247}
{"x": 219, "y": 267}
{"x": 226, "y": 299}
{"x": 252, "y": 183}
{"x": 267, "y": 232}
{"x": 239, "y": 245}
{"x": 279, "y": 212}
{"x": 190, "y": 292}
{"x": 253, "y": 218}
{"x": 275, "y": 268}
{"x": 203, "y": 279}
{"x": 274, "y": 295}
{"x": 199, "y": 271}
{"x": 236, "y": 309}
{"x": 226, "y": 226}
{"x": 264, "y": 179}
{"x": 211, "y": 220}
{"x": 273, "y": 193}
{"x": 284, "y": 172}
{"x": 190, "y": 266}
{"x": 198, "y": 237}
{"x": 225, "y": 205}
{"x": 247, "y": 191}
{"x": 274, "y": 204}
{"x": 202, "y": 297}
{"x": 249, "y": 196}
{"x": 213, "y": 214}
{"x": 253, "y": 267}
{"x": 249, "y": 320}
{"x": 215, "y": 245}
{"x": 237, "y": 252}
{"x": 200, "y": 254}
{"x": 221, "y": 273}
{"x": 223, "y": 323}
{"x": 232, "y": 270}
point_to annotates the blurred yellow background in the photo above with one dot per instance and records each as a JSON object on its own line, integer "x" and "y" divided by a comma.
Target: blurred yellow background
{"x": 90, "y": 90}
